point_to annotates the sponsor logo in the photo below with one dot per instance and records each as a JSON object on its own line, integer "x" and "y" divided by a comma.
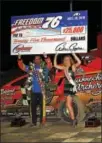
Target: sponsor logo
{"x": 7, "y": 91}
{"x": 6, "y": 94}
{"x": 82, "y": 38}
{"x": 21, "y": 48}
{"x": 76, "y": 16}
{"x": 73, "y": 30}
{"x": 51, "y": 22}
{"x": 29, "y": 21}
{"x": 66, "y": 47}
{"x": 91, "y": 83}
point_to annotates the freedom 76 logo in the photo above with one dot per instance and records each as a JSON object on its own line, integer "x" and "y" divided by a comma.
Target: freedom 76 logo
{"x": 52, "y": 22}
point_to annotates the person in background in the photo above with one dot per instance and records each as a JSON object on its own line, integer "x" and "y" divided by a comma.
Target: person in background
{"x": 48, "y": 61}
{"x": 36, "y": 94}
{"x": 55, "y": 75}
{"x": 28, "y": 85}
{"x": 69, "y": 68}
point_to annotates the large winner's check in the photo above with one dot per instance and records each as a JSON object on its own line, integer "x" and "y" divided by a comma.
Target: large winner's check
{"x": 63, "y": 32}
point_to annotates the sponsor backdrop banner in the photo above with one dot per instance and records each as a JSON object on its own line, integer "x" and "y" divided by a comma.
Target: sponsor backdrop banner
{"x": 63, "y": 32}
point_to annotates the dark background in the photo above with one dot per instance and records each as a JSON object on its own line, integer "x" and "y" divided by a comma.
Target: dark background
{"x": 13, "y": 8}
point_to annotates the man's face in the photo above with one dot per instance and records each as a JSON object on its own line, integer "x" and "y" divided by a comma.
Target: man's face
{"x": 37, "y": 60}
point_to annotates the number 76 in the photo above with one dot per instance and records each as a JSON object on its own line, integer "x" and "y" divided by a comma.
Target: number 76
{"x": 53, "y": 22}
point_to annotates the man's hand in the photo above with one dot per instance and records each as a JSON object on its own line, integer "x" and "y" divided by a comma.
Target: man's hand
{"x": 45, "y": 55}
{"x": 19, "y": 56}
{"x": 56, "y": 53}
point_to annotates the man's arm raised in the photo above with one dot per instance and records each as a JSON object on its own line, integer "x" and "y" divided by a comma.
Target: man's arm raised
{"x": 21, "y": 65}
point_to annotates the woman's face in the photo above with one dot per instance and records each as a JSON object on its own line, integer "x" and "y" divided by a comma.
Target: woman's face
{"x": 66, "y": 61}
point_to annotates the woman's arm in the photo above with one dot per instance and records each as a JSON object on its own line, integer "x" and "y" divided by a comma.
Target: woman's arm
{"x": 78, "y": 62}
{"x": 56, "y": 65}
